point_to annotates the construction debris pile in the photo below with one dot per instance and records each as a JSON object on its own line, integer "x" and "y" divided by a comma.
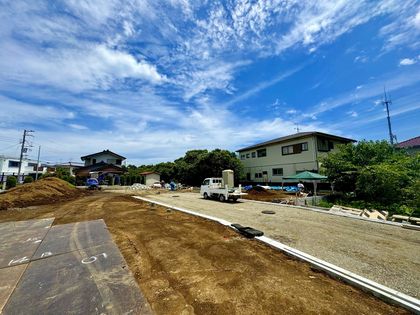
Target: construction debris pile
{"x": 137, "y": 186}
{"x": 371, "y": 214}
{"x": 43, "y": 191}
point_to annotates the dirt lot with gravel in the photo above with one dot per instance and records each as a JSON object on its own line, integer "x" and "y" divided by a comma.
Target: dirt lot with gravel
{"x": 188, "y": 265}
{"x": 389, "y": 255}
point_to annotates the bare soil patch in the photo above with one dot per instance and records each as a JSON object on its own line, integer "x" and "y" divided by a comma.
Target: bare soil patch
{"x": 43, "y": 191}
{"x": 188, "y": 265}
{"x": 261, "y": 194}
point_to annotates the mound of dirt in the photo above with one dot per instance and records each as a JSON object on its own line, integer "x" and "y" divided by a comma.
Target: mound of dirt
{"x": 43, "y": 191}
{"x": 257, "y": 190}
{"x": 261, "y": 194}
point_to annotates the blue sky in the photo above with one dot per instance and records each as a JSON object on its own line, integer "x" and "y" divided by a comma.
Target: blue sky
{"x": 153, "y": 79}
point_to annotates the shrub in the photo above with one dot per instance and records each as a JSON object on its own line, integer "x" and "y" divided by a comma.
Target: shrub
{"x": 325, "y": 204}
{"x": 28, "y": 179}
{"x": 11, "y": 182}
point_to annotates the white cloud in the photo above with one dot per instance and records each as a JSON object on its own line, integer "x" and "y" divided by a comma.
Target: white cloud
{"x": 15, "y": 112}
{"x": 370, "y": 90}
{"x": 147, "y": 70}
{"x": 404, "y": 30}
{"x": 352, "y": 113}
{"x": 263, "y": 85}
{"x": 77, "y": 69}
{"x": 217, "y": 76}
{"x": 78, "y": 127}
{"x": 407, "y": 62}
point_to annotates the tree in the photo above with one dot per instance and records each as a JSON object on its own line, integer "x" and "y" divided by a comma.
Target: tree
{"x": 199, "y": 164}
{"x": 343, "y": 166}
{"x": 167, "y": 170}
{"x": 380, "y": 175}
{"x": 62, "y": 173}
{"x": 382, "y": 183}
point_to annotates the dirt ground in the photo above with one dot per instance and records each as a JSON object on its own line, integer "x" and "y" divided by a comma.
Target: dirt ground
{"x": 46, "y": 190}
{"x": 267, "y": 195}
{"x": 383, "y": 253}
{"x": 188, "y": 265}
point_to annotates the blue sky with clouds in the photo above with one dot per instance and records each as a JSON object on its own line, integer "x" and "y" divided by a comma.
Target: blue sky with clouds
{"x": 152, "y": 79}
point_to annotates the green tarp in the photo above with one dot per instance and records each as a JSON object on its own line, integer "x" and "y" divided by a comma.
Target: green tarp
{"x": 307, "y": 176}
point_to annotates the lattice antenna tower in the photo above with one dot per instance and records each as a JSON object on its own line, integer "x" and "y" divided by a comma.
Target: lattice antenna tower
{"x": 387, "y": 102}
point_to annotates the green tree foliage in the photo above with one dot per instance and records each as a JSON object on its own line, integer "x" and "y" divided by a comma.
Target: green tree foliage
{"x": 199, "y": 164}
{"x": 190, "y": 169}
{"x": 11, "y": 182}
{"x": 379, "y": 175}
{"x": 62, "y": 173}
{"x": 28, "y": 179}
{"x": 167, "y": 170}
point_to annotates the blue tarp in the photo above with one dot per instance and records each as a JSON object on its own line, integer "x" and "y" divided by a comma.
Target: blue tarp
{"x": 285, "y": 188}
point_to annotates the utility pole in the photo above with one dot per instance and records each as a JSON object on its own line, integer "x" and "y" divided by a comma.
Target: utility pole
{"x": 23, "y": 150}
{"x": 386, "y": 102}
{"x": 37, "y": 163}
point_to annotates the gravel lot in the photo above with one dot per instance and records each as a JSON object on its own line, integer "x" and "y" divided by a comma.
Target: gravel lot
{"x": 389, "y": 255}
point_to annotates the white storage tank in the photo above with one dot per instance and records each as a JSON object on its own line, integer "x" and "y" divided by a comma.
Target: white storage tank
{"x": 228, "y": 178}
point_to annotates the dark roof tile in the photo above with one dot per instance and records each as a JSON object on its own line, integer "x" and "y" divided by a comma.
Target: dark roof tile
{"x": 413, "y": 142}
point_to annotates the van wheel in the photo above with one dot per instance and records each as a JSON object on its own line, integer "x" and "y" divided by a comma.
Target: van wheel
{"x": 205, "y": 196}
{"x": 222, "y": 198}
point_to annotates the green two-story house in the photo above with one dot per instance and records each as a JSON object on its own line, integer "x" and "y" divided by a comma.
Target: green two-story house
{"x": 273, "y": 160}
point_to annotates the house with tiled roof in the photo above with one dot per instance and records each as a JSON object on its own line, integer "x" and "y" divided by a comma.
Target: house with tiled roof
{"x": 104, "y": 162}
{"x": 411, "y": 145}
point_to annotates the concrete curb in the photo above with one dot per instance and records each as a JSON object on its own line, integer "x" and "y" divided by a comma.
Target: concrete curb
{"x": 384, "y": 293}
{"x": 326, "y": 212}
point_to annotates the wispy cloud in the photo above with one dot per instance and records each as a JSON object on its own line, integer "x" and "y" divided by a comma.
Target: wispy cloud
{"x": 404, "y": 30}
{"x": 407, "y": 62}
{"x": 78, "y": 127}
{"x": 263, "y": 85}
{"x": 369, "y": 90}
{"x": 154, "y": 78}
{"x": 353, "y": 113}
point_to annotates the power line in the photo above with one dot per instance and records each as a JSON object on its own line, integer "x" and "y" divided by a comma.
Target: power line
{"x": 11, "y": 146}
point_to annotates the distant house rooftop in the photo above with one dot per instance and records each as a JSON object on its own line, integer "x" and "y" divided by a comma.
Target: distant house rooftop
{"x": 149, "y": 172}
{"x": 103, "y": 152}
{"x": 410, "y": 143}
{"x": 69, "y": 164}
{"x": 99, "y": 167}
{"x": 296, "y": 136}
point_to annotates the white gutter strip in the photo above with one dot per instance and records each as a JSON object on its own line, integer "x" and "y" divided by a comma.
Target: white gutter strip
{"x": 351, "y": 216}
{"x": 387, "y": 294}
{"x": 384, "y": 293}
